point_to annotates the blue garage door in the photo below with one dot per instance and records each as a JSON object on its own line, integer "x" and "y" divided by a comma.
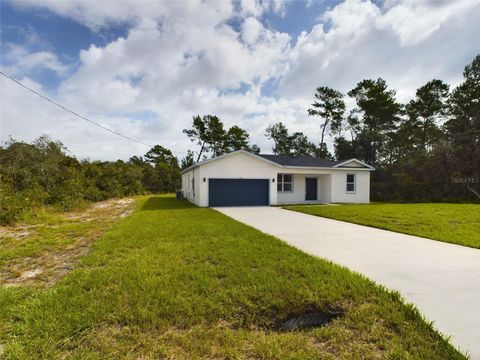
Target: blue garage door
{"x": 238, "y": 192}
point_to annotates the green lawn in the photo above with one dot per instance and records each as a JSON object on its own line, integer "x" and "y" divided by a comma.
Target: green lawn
{"x": 176, "y": 281}
{"x": 453, "y": 223}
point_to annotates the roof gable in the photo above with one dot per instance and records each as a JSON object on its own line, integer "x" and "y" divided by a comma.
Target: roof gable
{"x": 352, "y": 163}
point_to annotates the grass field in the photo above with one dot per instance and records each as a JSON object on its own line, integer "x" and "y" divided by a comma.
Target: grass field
{"x": 175, "y": 281}
{"x": 453, "y": 223}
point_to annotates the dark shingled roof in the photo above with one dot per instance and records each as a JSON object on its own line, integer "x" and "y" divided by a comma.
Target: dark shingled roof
{"x": 307, "y": 161}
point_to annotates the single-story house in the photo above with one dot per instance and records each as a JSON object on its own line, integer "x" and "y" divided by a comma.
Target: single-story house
{"x": 242, "y": 178}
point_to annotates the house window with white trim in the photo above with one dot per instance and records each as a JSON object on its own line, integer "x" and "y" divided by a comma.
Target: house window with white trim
{"x": 285, "y": 183}
{"x": 351, "y": 183}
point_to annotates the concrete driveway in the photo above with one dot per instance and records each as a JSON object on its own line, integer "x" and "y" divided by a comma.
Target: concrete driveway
{"x": 442, "y": 280}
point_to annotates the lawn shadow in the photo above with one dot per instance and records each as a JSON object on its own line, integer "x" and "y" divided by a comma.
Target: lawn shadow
{"x": 166, "y": 203}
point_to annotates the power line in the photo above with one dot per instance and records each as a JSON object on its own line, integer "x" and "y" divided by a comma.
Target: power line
{"x": 73, "y": 112}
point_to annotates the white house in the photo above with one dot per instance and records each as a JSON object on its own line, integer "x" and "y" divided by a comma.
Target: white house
{"x": 241, "y": 178}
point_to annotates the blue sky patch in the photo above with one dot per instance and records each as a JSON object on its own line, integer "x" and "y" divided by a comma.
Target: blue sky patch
{"x": 300, "y": 16}
{"x": 42, "y": 30}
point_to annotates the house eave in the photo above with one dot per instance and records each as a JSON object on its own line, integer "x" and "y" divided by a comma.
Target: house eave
{"x": 326, "y": 168}
{"x": 337, "y": 167}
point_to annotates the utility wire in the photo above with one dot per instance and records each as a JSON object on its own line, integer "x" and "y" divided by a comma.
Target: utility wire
{"x": 73, "y": 112}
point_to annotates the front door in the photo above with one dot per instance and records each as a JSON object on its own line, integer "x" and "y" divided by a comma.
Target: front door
{"x": 311, "y": 189}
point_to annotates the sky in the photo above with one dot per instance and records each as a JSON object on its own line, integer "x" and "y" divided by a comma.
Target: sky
{"x": 144, "y": 68}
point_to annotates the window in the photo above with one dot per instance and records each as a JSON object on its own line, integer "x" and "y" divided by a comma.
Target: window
{"x": 193, "y": 186}
{"x": 351, "y": 186}
{"x": 285, "y": 183}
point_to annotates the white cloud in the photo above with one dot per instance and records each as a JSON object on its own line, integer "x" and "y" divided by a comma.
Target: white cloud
{"x": 180, "y": 59}
{"x": 153, "y": 65}
{"x": 360, "y": 40}
{"x": 101, "y": 14}
{"x": 251, "y": 30}
{"x": 257, "y": 7}
{"x": 251, "y": 7}
{"x": 415, "y": 21}
{"x": 25, "y": 116}
{"x": 24, "y": 61}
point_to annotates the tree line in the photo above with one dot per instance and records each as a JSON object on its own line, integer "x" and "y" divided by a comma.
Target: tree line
{"x": 44, "y": 174}
{"x": 425, "y": 150}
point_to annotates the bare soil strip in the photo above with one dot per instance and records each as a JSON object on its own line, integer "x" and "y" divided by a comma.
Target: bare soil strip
{"x": 39, "y": 254}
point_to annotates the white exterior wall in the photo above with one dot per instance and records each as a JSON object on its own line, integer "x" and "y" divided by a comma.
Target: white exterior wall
{"x": 299, "y": 188}
{"x": 332, "y": 186}
{"x": 326, "y": 188}
{"x": 332, "y": 183}
{"x": 192, "y": 194}
{"x": 339, "y": 187}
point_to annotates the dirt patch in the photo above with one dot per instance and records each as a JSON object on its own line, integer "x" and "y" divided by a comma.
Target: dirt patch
{"x": 15, "y": 232}
{"x": 58, "y": 246}
{"x": 29, "y": 274}
{"x": 110, "y": 208}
